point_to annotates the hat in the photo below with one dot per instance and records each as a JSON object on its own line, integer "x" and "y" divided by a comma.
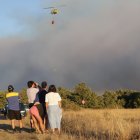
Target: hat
{"x": 10, "y": 88}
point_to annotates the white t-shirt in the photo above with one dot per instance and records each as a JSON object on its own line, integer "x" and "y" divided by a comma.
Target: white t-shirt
{"x": 52, "y": 98}
{"x": 31, "y": 93}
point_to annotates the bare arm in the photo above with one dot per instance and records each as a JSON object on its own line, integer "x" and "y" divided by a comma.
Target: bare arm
{"x": 47, "y": 105}
{"x": 59, "y": 103}
{"x": 36, "y": 103}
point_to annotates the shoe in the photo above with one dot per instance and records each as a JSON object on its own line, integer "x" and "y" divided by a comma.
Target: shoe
{"x": 46, "y": 131}
{"x": 20, "y": 130}
{"x": 38, "y": 132}
{"x": 13, "y": 131}
{"x": 31, "y": 130}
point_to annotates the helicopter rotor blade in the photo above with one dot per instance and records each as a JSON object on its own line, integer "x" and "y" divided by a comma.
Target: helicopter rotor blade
{"x": 54, "y": 7}
{"x": 48, "y": 7}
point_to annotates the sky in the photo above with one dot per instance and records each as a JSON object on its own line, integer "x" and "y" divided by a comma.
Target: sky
{"x": 92, "y": 41}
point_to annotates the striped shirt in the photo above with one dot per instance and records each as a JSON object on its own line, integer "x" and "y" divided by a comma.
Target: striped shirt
{"x": 13, "y": 100}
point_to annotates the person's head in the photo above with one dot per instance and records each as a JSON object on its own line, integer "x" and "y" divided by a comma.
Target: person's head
{"x": 52, "y": 88}
{"x": 30, "y": 84}
{"x": 44, "y": 85}
{"x": 10, "y": 88}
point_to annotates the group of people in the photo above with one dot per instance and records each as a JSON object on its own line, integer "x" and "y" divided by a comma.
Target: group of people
{"x": 44, "y": 107}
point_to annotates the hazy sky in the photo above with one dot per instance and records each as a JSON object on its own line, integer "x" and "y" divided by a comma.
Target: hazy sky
{"x": 92, "y": 41}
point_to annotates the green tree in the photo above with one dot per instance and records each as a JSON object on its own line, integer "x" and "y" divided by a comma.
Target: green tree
{"x": 83, "y": 92}
{"x": 63, "y": 92}
{"x": 2, "y": 99}
{"x": 110, "y": 99}
{"x": 67, "y": 104}
{"x": 23, "y": 96}
{"x": 129, "y": 98}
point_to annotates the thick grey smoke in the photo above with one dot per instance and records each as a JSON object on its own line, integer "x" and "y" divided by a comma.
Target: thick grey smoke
{"x": 96, "y": 42}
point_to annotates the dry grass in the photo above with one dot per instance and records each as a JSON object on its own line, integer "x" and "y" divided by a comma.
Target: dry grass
{"x": 117, "y": 124}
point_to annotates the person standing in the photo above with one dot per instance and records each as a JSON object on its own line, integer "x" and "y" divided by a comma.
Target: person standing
{"x": 14, "y": 108}
{"x": 53, "y": 106}
{"x": 32, "y": 91}
{"x": 37, "y": 113}
{"x": 42, "y": 94}
{"x": 41, "y": 98}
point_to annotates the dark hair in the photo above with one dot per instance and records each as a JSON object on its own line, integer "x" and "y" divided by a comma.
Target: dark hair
{"x": 44, "y": 84}
{"x": 10, "y": 88}
{"x": 52, "y": 88}
{"x": 30, "y": 83}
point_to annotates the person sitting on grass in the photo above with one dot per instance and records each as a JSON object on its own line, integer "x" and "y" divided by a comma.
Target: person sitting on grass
{"x": 14, "y": 108}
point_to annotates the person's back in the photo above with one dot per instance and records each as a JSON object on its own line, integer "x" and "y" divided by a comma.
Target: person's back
{"x": 53, "y": 98}
{"x": 31, "y": 93}
{"x": 53, "y": 105}
{"x": 43, "y": 92}
{"x": 41, "y": 96}
{"x": 13, "y": 100}
{"x": 13, "y": 107}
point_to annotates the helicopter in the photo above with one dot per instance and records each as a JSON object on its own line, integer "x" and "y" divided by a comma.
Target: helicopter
{"x": 54, "y": 11}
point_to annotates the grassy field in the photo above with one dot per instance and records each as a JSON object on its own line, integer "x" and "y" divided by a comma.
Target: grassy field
{"x": 111, "y": 124}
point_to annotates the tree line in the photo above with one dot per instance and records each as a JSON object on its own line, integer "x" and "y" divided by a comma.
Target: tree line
{"x": 82, "y": 96}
